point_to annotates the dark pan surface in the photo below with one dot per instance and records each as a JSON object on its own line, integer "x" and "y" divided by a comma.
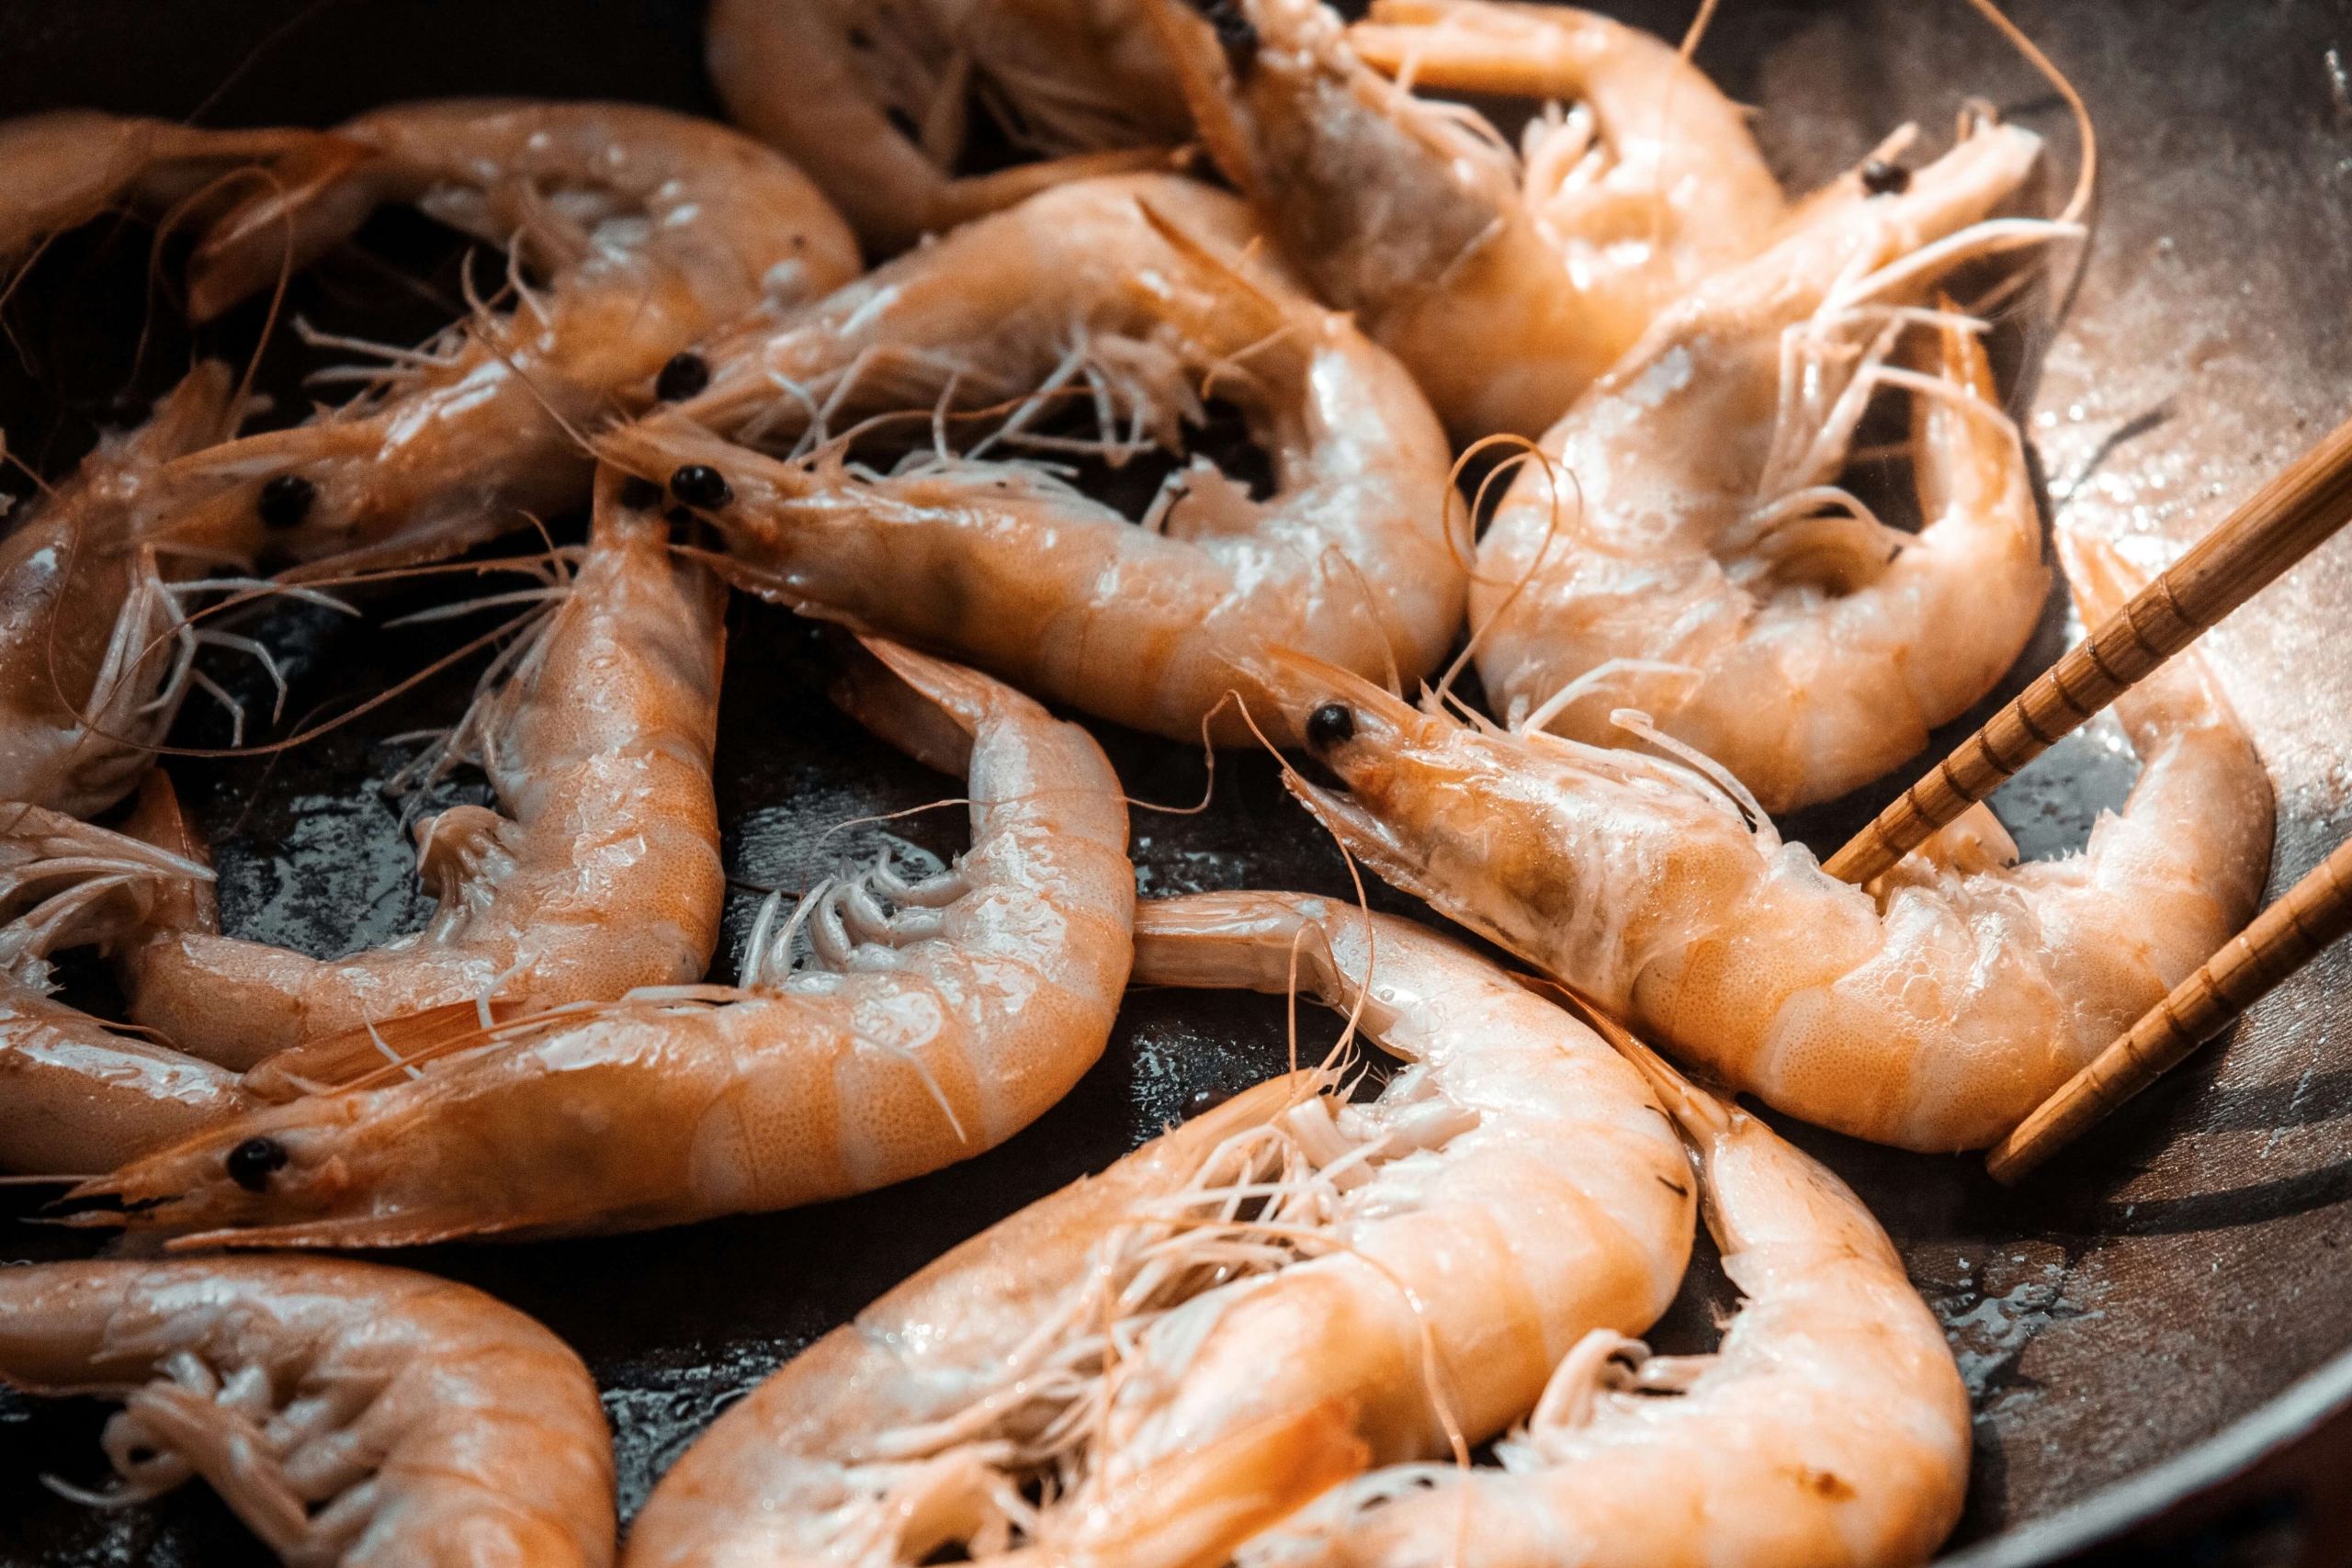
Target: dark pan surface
{"x": 2178, "y": 1273}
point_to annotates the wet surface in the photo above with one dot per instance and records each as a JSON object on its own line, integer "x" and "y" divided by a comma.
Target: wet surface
{"x": 2174, "y": 1273}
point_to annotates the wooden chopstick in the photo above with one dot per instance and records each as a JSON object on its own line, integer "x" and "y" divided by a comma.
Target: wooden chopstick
{"x": 2283, "y": 521}
{"x": 2315, "y": 911}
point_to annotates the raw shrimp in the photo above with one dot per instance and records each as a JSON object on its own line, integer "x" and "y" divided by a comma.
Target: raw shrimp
{"x": 596, "y": 728}
{"x": 1705, "y": 567}
{"x": 1831, "y": 1428}
{"x": 873, "y": 99}
{"x": 1932, "y": 1011}
{"x": 96, "y": 635}
{"x": 916, "y": 1036}
{"x": 649, "y": 227}
{"x": 348, "y": 1413}
{"x": 1125, "y": 290}
{"x": 59, "y": 171}
{"x": 75, "y": 1096}
{"x": 1180, "y": 1375}
{"x": 1505, "y": 284}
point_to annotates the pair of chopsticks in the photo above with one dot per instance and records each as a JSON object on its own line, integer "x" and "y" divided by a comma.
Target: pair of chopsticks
{"x": 2281, "y": 524}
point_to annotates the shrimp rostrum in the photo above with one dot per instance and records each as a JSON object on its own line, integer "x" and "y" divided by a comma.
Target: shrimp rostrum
{"x": 889, "y": 1027}
{"x": 76, "y": 1096}
{"x": 1123, "y": 297}
{"x": 1151, "y": 1365}
{"x": 643, "y": 230}
{"x": 348, "y": 1413}
{"x": 1689, "y": 552}
{"x": 1830, "y": 1428}
{"x": 596, "y": 727}
{"x": 1505, "y": 282}
{"x": 1932, "y": 1009}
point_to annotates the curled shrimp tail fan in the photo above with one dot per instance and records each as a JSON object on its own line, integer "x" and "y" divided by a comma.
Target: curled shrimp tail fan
{"x": 159, "y": 819}
{"x": 926, "y": 707}
{"x": 306, "y": 203}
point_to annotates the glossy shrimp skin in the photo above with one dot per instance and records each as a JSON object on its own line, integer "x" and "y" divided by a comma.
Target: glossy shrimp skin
{"x": 1424, "y": 1258}
{"x": 910, "y": 1038}
{"x": 646, "y": 230}
{"x": 1505, "y": 286}
{"x": 602, "y": 874}
{"x": 1932, "y": 1011}
{"x": 1701, "y": 562}
{"x": 1830, "y": 1430}
{"x": 76, "y": 1096}
{"x": 350, "y": 1415}
{"x": 872, "y": 99}
{"x": 92, "y": 626}
{"x": 1130, "y": 288}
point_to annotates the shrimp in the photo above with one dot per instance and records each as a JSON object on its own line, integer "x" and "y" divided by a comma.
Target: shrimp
{"x": 934, "y": 1019}
{"x": 1127, "y": 288}
{"x": 1177, "y": 1375}
{"x": 82, "y": 713}
{"x": 1932, "y": 1009}
{"x": 347, "y": 1413}
{"x": 61, "y": 170}
{"x": 596, "y": 728}
{"x": 1830, "y": 1428}
{"x": 78, "y": 1097}
{"x": 649, "y": 228}
{"x": 872, "y": 99}
{"x": 1506, "y": 284}
{"x": 1705, "y": 566}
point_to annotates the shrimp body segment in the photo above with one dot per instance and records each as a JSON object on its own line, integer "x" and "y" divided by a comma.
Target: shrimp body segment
{"x": 1505, "y": 284}
{"x": 1931, "y": 1011}
{"x": 646, "y": 229}
{"x": 75, "y": 1096}
{"x": 350, "y": 1415}
{"x": 1830, "y": 1428}
{"x": 1128, "y": 290}
{"x": 1176, "y": 1371}
{"x": 94, "y": 638}
{"x": 596, "y": 731}
{"x": 59, "y": 171}
{"x": 1689, "y": 553}
{"x": 831, "y": 84}
{"x": 932, "y": 1019}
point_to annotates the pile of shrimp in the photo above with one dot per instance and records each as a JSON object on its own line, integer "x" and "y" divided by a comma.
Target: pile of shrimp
{"x": 1597, "y": 408}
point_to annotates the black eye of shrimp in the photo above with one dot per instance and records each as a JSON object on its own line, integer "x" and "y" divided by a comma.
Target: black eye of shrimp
{"x": 1882, "y": 178}
{"x": 1331, "y": 725}
{"x": 285, "y": 501}
{"x": 700, "y": 484}
{"x": 683, "y": 377}
{"x": 251, "y": 1162}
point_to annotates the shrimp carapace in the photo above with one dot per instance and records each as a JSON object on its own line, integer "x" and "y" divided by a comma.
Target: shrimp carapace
{"x": 603, "y": 874}
{"x": 633, "y": 232}
{"x": 352, "y": 1415}
{"x": 1689, "y": 552}
{"x": 1505, "y": 283}
{"x": 1270, "y": 1297}
{"x": 1126, "y": 294}
{"x": 1931, "y": 1010}
{"x": 876, "y": 100}
{"x": 1831, "y": 1427}
{"x": 889, "y": 1027}
{"x": 77, "y": 1096}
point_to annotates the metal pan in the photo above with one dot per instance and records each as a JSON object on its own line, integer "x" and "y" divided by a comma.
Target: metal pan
{"x": 2155, "y": 1328}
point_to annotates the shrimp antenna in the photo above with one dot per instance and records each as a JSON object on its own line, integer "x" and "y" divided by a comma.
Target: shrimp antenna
{"x": 1698, "y": 28}
{"x": 1551, "y": 472}
{"x": 2080, "y": 205}
{"x": 1208, "y": 758}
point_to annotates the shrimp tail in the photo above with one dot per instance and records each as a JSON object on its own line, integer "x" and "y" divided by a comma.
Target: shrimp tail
{"x": 159, "y": 819}
{"x": 310, "y": 203}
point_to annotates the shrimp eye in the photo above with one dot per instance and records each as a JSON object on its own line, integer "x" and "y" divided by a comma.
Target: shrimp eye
{"x": 683, "y": 377}
{"x": 285, "y": 501}
{"x": 700, "y": 484}
{"x": 1201, "y": 1102}
{"x": 638, "y": 494}
{"x": 251, "y": 1162}
{"x": 1882, "y": 178}
{"x": 1331, "y": 725}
